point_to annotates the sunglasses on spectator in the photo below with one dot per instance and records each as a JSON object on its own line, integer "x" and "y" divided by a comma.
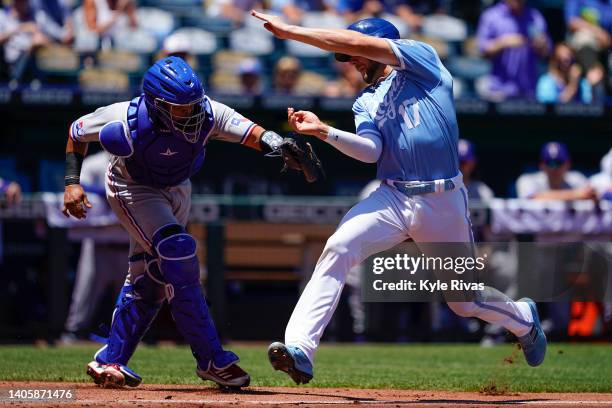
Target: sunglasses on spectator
{"x": 554, "y": 163}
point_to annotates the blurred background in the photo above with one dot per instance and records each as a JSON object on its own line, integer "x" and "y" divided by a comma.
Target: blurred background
{"x": 532, "y": 82}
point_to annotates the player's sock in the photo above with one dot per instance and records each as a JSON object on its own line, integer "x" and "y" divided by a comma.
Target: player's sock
{"x": 135, "y": 309}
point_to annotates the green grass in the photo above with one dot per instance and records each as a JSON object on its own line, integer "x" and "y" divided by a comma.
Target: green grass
{"x": 568, "y": 367}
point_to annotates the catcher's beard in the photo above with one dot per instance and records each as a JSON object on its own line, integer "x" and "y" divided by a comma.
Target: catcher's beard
{"x": 373, "y": 71}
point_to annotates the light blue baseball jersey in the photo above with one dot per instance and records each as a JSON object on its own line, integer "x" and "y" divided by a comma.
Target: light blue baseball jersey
{"x": 412, "y": 111}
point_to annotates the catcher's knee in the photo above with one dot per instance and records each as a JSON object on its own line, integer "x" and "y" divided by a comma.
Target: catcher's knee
{"x": 176, "y": 250}
{"x": 463, "y": 309}
{"x": 146, "y": 278}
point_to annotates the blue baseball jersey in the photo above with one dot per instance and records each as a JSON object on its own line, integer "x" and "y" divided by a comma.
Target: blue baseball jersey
{"x": 412, "y": 111}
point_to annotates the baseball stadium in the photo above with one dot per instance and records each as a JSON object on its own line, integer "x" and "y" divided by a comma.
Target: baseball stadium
{"x": 245, "y": 203}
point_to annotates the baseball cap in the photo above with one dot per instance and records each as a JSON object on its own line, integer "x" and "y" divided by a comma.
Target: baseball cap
{"x": 249, "y": 66}
{"x": 465, "y": 149}
{"x": 177, "y": 43}
{"x": 554, "y": 154}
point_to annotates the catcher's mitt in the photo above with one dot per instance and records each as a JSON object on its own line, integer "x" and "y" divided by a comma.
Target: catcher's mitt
{"x": 299, "y": 155}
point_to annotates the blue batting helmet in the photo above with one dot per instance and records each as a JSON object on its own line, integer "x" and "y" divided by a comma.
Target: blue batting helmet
{"x": 174, "y": 95}
{"x": 376, "y": 27}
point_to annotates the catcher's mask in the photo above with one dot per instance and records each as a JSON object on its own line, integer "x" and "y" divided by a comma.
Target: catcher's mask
{"x": 184, "y": 120}
{"x": 174, "y": 95}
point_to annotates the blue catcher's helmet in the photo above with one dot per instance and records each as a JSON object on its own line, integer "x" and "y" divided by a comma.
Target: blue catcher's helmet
{"x": 376, "y": 27}
{"x": 174, "y": 95}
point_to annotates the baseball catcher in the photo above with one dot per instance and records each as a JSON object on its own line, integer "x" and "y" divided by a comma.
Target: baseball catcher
{"x": 157, "y": 142}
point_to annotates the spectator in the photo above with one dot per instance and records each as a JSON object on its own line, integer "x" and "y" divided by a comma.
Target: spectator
{"x": 554, "y": 181}
{"x": 413, "y": 12}
{"x": 563, "y": 82}
{"x": 476, "y": 189}
{"x": 178, "y": 44}
{"x": 286, "y": 75}
{"x": 348, "y": 83}
{"x": 106, "y": 17}
{"x": 294, "y": 9}
{"x": 353, "y": 10}
{"x": 232, "y": 10}
{"x": 590, "y": 22}
{"x": 249, "y": 71}
{"x": 20, "y": 36}
{"x": 54, "y": 18}
{"x": 602, "y": 181}
{"x": 10, "y": 191}
{"x": 514, "y": 37}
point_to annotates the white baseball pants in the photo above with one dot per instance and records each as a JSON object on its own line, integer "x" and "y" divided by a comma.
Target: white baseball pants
{"x": 377, "y": 223}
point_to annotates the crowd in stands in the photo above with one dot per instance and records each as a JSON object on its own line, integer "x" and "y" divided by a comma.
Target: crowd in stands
{"x": 549, "y": 51}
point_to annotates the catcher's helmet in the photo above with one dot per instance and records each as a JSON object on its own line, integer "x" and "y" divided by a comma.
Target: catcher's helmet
{"x": 376, "y": 27}
{"x": 174, "y": 95}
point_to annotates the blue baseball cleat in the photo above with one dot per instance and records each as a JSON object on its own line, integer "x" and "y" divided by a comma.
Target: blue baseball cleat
{"x": 292, "y": 361}
{"x": 534, "y": 342}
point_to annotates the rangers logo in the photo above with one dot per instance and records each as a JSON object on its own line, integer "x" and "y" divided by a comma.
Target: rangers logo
{"x": 80, "y": 128}
{"x": 236, "y": 121}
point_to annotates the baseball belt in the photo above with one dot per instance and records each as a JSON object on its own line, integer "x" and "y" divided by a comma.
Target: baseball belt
{"x": 411, "y": 188}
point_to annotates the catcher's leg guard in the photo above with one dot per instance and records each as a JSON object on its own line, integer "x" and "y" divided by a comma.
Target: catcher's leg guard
{"x": 136, "y": 307}
{"x": 179, "y": 264}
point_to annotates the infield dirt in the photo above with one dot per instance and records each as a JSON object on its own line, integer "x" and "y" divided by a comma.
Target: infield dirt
{"x": 182, "y": 396}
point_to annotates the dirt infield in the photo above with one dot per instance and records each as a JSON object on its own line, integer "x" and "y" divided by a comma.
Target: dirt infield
{"x": 181, "y": 396}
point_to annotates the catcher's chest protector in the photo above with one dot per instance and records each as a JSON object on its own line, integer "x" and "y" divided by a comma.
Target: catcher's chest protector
{"x": 160, "y": 159}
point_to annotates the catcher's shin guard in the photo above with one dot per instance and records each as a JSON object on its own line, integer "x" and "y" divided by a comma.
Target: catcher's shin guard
{"x": 136, "y": 307}
{"x": 179, "y": 264}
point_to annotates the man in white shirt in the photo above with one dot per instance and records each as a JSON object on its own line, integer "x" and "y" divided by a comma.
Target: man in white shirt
{"x": 554, "y": 181}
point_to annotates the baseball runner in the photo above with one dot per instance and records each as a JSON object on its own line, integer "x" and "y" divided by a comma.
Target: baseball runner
{"x": 157, "y": 141}
{"x": 405, "y": 121}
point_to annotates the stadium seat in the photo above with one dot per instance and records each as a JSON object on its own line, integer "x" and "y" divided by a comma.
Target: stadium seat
{"x": 445, "y": 28}
{"x": 125, "y": 61}
{"x": 225, "y": 82}
{"x": 202, "y": 41}
{"x": 178, "y": 7}
{"x": 135, "y": 40}
{"x": 57, "y": 63}
{"x": 104, "y": 80}
{"x": 155, "y": 21}
{"x": 216, "y": 25}
{"x": 323, "y": 20}
{"x": 469, "y": 68}
{"x": 256, "y": 41}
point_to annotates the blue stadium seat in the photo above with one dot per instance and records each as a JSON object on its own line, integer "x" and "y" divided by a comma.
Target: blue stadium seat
{"x": 216, "y": 25}
{"x": 468, "y": 68}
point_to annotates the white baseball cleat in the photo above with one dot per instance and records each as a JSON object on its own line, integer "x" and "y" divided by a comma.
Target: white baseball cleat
{"x": 112, "y": 375}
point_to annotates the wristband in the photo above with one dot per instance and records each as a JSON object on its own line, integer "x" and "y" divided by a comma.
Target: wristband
{"x": 74, "y": 161}
{"x": 270, "y": 140}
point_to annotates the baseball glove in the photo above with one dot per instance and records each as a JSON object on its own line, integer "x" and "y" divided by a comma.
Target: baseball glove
{"x": 299, "y": 155}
